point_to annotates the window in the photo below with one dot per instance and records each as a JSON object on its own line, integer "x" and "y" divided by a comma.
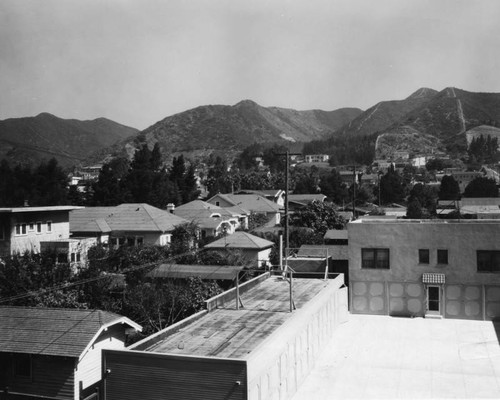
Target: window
{"x": 131, "y": 241}
{"x": 423, "y": 256}
{"x": 31, "y": 226}
{"x": 38, "y": 227}
{"x": 217, "y": 203}
{"x": 49, "y": 226}
{"x": 21, "y": 229}
{"x": 375, "y": 258}
{"x": 488, "y": 261}
{"x": 73, "y": 257}
{"x": 140, "y": 240}
{"x": 22, "y": 365}
{"x": 442, "y": 256}
{"x": 78, "y": 258}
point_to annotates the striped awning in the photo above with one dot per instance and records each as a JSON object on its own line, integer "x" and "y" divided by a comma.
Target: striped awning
{"x": 433, "y": 278}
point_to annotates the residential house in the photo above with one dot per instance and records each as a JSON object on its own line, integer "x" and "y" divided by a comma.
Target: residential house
{"x": 249, "y": 204}
{"x": 443, "y": 268}
{"x": 299, "y": 201}
{"x": 48, "y": 353}
{"x": 212, "y": 220}
{"x": 24, "y": 228}
{"x": 130, "y": 224}
{"x": 275, "y": 195}
{"x": 257, "y": 342}
{"x": 73, "y": 251}
{"x": 316, "y": 158}
{"x": 254, "y": 249}
{"x": 465, "y": 177}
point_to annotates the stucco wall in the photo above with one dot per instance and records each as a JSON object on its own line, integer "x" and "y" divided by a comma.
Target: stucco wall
{"x": 400, "y": 291}
{"x": 31, "y": 240}
{"x": 279, "y": 365}
{"x": 404, "y": 239}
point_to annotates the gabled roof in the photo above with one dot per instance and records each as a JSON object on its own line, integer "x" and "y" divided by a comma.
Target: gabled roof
{"x": 212, "y": 272}
{"x": 306, "y": 198}
{"x": 54, "y": 331}
{"x": 198, "y": 205}
{"x": 240, "y": 240}
{"x": 138, "y": 217}
{"x": 251, "y": 202}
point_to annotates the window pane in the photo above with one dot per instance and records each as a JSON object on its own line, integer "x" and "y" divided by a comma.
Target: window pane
{"x": 49, "y": 226}
{"x": 383, "y": 258}
{"x": 23, "y": 229}
{"x": 495, "y": 261}
{"x": 39, "y": 227}
{"x": 423, "y": 256}
{"x": 442, "y": 256}
{"x": 368, "y": 258}
{"x": 483, "y": 261}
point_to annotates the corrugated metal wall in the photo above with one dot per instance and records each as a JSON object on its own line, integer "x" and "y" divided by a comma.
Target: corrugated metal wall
{"x": 153, "y": 376}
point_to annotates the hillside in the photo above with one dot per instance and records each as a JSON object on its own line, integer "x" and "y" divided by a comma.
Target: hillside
{"x": 426, "y": 120}
{"x": 482, "y": 130}
{"x": 32, "y": 139}
{"x": 385, "y": 114}
{"x": 232, "y": 128}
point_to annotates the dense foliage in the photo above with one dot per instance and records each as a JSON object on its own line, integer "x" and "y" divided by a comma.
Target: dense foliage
{"x": 484, "y": 150}
{"x": 144, "y": 181}
{"x": 41, "y": 186}
{"x": 481, "y": 187}
{"x": 320, "y": 216}
{"x": 449, "y": 189}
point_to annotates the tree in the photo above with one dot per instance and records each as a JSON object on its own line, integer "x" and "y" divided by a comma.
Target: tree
{"x": 414, "y": 210}
{"x": 449, "y": 189}
{"x": 481, "y": 187}
{"x": 319, "y": 216}
{"x": 426, "y": 196}
{"x": 218, "y": 180}
{"x": 331, "y": 185}
{"x": 107, "y": 191}
{"x": 392, "y": 187}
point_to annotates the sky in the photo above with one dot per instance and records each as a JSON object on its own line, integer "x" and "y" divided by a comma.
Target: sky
{"x": 139, "y": 61}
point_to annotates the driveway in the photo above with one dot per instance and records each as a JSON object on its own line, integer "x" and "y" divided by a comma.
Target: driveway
{"x": 381, "y": 357}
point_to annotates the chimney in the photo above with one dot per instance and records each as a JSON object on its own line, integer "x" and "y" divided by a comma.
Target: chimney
{"x": 171, "y": 208}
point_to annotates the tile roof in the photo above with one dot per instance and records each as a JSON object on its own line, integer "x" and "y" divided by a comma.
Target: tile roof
{"x": 251, "y": 202}
{"x": 138, "y": 217}
{"x": 336, "y": 234}
{"x": 52, "y": 331}
{"x": 240, "y": 240}
{"x": 213, "y": 272}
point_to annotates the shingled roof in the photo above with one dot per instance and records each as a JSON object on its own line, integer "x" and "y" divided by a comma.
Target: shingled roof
{"x": 139, "y": 217}
{"x": 240, "y": 240}
{"x": 53, "y": 331}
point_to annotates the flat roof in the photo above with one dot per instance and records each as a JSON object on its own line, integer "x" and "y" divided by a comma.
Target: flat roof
{"x": 229, "y": 333}
{"x": 212, "y": 272}
{"x": 425, "y": 221}
{"x": 38, "y": 209}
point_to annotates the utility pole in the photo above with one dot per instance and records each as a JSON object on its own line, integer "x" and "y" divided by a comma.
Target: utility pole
{"x": 354, "y": 193}
{"x": 287, "y": 168}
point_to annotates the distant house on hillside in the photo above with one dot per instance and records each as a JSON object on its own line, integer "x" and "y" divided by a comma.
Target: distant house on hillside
{"x": 24, "y": 228}
{"x": 55, "y": 354}
{"x": 313, "y": 158}
{"x": 130, "y": 224}
{"x": 255, "y": 249}
{"x": 249, "y": 203}
{"x": 465, "y": 177}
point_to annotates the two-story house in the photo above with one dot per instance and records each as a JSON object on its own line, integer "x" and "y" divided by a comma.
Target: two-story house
{"x": 24, "y": 228}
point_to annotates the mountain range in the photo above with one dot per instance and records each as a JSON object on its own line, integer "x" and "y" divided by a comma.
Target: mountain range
{"x": 425, "y": 121}
{"x": 32, "y": 139}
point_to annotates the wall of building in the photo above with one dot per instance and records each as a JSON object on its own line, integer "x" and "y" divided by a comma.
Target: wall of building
{"x": 399, "y": 290}
{"x": 52, "y": 377}
{"x": 154, "y": 376}
{"x": 31, "y": 240}
{"x": 89, "y": 369}
{"x": 279, "y": 365}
